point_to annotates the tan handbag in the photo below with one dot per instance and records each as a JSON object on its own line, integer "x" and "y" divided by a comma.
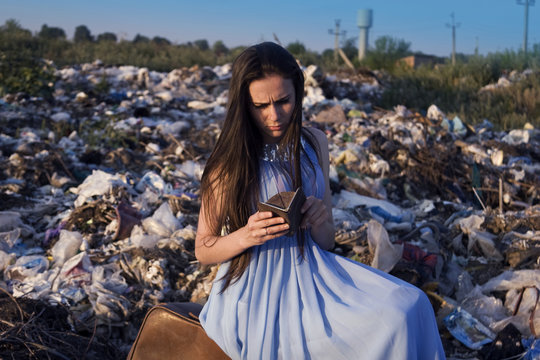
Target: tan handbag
{"x": 173, "y": 331}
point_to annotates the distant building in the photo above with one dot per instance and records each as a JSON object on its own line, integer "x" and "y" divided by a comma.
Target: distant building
{"x": 415, "y": 61}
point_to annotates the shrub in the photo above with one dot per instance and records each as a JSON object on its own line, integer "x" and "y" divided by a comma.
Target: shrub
{"x": 25, "y": 74}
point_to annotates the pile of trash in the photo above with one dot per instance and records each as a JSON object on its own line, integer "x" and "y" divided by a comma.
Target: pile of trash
{"x": 100, "y": 196}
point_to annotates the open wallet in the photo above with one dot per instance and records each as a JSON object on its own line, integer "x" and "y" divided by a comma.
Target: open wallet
{"x": 286, "y": 204}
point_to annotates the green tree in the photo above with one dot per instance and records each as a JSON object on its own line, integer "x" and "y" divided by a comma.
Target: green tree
{"x": 296, "y": 48}
{"x": 82, "y": 34}
{"x": 12, "y": 27}
{"x": 158, "y": 40}
{"x": 107, "y": 36}
{"x": 140, "y": 39}
{"x": 304, "y": 56}
{"x": 219, "y": 48}
{"x": 47, "y": 32}
{"x": 201, "y": 44}
{"x": 235, "y": 51}
{"x": 349, "y": 48}
{"x": 392, "y": 46}
{"x": 386, "y": 52}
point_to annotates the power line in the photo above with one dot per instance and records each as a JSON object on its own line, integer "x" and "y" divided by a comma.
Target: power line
{"x": 526, "y": 30}
{"x": 453, "y": 26}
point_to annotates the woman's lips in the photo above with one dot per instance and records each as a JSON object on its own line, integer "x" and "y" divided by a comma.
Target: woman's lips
{"x": 275, "y": 128}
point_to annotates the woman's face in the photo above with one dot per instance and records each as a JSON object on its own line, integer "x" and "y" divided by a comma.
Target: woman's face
{"x": 272, "y": 105}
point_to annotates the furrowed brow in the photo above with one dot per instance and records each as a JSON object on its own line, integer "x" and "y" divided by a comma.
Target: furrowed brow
{"x": 263, "y": 103}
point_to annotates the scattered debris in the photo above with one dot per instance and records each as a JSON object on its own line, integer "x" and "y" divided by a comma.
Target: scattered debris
{"x": 100, "y": 194}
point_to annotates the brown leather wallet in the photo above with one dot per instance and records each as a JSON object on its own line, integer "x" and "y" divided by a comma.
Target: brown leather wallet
{"x": 286, "y": 204}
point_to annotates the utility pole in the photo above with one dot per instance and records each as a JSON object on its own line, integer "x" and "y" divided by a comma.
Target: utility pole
{"x": 453, "y": 26}
{"x": 336, "y": 34}
{"x": 526, "y": 30}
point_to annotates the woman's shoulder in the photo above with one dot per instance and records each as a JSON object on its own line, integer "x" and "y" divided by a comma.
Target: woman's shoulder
{"x": 317, "y": 135}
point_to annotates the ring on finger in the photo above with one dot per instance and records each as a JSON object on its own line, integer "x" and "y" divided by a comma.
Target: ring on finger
{"x": 266, "y": 229}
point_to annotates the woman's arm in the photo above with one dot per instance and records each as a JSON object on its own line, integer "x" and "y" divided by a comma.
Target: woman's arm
{"x": 318, "y": 213}
{"x": 213, "y": 248}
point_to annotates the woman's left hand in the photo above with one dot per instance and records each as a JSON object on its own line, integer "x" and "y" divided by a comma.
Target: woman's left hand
{"x": 315, "y": 213}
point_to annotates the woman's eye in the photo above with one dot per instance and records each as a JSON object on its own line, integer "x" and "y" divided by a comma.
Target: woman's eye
{"x": 279, "y": 102}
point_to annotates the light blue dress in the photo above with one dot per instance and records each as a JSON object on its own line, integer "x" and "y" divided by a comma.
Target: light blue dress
{"x": 324, "y": 306}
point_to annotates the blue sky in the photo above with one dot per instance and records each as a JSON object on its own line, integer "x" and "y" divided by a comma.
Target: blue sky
{"x": 493, "y": 25}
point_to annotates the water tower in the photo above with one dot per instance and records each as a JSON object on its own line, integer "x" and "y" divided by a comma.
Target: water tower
{"x": 365, "y": 20}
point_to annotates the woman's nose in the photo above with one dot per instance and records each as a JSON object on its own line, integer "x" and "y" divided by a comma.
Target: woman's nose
{"x": 273, "y": 113}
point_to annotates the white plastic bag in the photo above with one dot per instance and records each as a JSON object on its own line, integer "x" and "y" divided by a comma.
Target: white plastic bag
{"x": 162, "y": 223}
{"x": 27, "y": 266}
{"x": 386, "y": 254}
{"x": 66, "y": 247}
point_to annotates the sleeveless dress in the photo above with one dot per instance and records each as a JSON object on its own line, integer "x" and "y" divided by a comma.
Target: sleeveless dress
{"x": 321, "y": 306}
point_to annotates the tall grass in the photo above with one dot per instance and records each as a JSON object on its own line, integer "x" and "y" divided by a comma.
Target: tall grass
{"x": 457, "y": 90}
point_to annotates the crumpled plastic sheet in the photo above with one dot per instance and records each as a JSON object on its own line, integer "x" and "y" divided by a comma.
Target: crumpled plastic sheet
{"x": 11, "y": 228}
{"x": 345, "y": 220}
{"x": 66, "y": 247}
{"x": 106, "y": 293}
{"x": 99, "y": 183}
{"x": 26, "y": 266}
{"x": 521, "y": 287}
{"x": 386, "y": 254}
{"x": 349, "y": 200}
{"x": 163, "y": 223}
{"x": 471, "y": 227}
{"x": 513, "y": 280}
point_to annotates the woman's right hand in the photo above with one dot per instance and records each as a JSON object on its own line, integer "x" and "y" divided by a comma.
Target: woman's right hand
{"x": 213, "y": 249}
{"x": 262, "y": 226}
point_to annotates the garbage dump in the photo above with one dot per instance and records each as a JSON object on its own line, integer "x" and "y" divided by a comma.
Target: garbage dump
{"x": 100, "y": 196}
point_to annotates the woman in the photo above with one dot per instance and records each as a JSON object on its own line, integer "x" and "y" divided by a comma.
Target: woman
{"x": 281, "y": 296}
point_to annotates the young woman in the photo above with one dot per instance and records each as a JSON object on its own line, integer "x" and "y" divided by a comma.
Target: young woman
{"x": 281, "y": 296}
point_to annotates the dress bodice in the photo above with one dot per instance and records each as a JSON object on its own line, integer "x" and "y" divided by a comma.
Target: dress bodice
{"x": 274, "y": 172}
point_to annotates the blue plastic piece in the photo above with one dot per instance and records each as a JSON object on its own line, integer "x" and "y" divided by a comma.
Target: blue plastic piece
{"x": 469, "y": 331}
{"x": 533, "y": 349}
{"x": 379, "y": 211}
{"x": 519, "y": 159}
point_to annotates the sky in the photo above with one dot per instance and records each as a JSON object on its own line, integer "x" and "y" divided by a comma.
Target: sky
{"x": 489, "y": 25}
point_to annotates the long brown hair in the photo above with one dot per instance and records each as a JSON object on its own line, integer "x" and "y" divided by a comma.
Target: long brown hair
{"x": 230, "y": 181}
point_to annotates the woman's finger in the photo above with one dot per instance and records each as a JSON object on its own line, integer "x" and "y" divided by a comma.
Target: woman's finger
{"x": 261, "y": 215}
{"x": 272, "y": 221}
{"x": 275, "y": 230}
